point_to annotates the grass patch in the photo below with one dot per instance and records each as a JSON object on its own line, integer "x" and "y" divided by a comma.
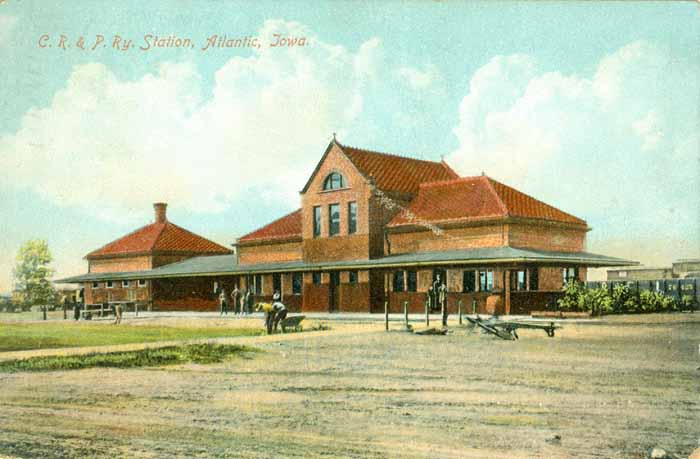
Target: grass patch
{"x": 51, "y": 335}
{"x": 171, "y": 355}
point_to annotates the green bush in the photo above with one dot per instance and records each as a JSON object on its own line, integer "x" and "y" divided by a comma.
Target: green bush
{"x": 579, "y": 298}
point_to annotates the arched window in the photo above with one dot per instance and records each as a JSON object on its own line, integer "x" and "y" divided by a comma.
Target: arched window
{"x": 334, "y": 181}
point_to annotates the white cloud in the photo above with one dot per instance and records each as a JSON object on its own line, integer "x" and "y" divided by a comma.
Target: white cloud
{"x": 419, "y": 79}
{"x": 119, "y": 145}
{"x": 576, "y": 141}
{"x": 7, "y": 25}
{"x": 648, "y": 129}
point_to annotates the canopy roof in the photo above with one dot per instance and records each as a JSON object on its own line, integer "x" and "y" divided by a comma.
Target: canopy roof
{"x": 227, "y": 264}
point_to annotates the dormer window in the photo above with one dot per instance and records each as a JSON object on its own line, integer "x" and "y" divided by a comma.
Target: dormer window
{"x": 334, "y": 181}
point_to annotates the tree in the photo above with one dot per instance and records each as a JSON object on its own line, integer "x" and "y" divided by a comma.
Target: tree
{"x": 32, "y": 272}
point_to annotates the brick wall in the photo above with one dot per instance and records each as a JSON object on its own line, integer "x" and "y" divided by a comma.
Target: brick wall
{"x": 120, "y": 264}
{"x": 102, "y": 294}
{"x": 269, "y": 253}
{"x": 451, "y": 239}
{"x": 550, "y": 278}
{"x": 315, "y": 298}
{"x": 543, "y": 237}
{"x": 354, "y": 247}
{"x": 354, "y": 297}
{"x": 355, "y": 189}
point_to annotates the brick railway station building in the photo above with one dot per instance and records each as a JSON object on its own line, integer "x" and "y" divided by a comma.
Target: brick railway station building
{"x": 372, "y": 228}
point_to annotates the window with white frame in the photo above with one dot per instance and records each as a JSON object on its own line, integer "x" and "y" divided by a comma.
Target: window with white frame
{"x": 334, "y": 181}
{"x": 485, "y": 280}
{"x": 95, "y": 285}
{"x": 142, "y": 282}
{"x": 570, "y": 274}
{"x": 110, "y": 284}
{"x": 125, "y": 284}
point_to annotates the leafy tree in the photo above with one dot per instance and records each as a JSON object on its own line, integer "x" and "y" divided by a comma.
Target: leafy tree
{"x": 32, "y": 272}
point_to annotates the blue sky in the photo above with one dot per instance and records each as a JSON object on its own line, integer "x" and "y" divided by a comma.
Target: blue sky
{"x": 592, "y": 107}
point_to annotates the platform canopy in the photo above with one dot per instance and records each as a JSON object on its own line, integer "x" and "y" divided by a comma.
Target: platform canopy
{"x": 224, "y": 265}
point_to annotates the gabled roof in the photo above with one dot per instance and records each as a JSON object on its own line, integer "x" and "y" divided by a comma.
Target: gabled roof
{"x": 397, "y": 173}
{"x": 390, "y": 172}
{"x": 287, "y": 227}
{"x": 162, "y": 237}
{"x": 473, "y": 199}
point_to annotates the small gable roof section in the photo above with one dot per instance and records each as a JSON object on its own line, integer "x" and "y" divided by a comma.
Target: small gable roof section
{"x": 473, "y": 199}
{"x": 388, "y": 171}
{"x": 159, "y": 238}
{"x": 397, "y": 173}
{"x": 285, "y": 228}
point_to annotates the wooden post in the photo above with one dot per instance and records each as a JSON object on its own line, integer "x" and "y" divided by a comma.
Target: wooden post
{"x": 427, "y": 313}
{"x": 507, "y": 289}
{"x": 43, "y": 308}
{"x": 136, "y": 309}
{"x": 405, "y": 313}
{"x": 459, "y": 311}
{"x": 386, "y": 315}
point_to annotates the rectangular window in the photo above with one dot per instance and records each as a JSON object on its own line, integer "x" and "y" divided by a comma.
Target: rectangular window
{"x": 95, "y": 285}
{"x": 258, "y": 284}
{"x": 518, "y": 280}
{"x": 316, "y": 278}
{"x": 333, "y": 219}
{"x": 485, "y": 280}
{"x": 468, "y": 281}
{"x": 352, "y": 277}
{"x": 125, "y": 283}
{"x": 142, "y": 282}
{"x": 297, "y": 282}
{"x": 570, "y": 274}
{"x": 411, "y": 281}
{"x": 399, "y": 284}
{"x": 534, "y": 279}
{"x": 317, "y": 221}
{"x": 110, "y": 284}
{"x": 352, "y": 218}
{"x": 277, "y": 283}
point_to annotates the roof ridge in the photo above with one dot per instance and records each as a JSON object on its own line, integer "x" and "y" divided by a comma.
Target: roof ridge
{"x": 580, "y": 220}
{"x": 448, "y": 181}
{"x": 502, "y": 203}
{"x": 401, "y": 156}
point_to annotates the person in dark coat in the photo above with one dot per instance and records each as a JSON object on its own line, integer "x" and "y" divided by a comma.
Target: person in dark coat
{"x": 78, "y": 303}
{"x": 223, "y": 302}
{"x": 235, "y": 300}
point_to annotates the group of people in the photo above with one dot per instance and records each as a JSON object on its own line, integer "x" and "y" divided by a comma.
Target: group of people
{"x": 242, "y": 301}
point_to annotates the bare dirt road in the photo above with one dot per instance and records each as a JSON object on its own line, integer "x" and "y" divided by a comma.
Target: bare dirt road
{"x": 608, "y": 390}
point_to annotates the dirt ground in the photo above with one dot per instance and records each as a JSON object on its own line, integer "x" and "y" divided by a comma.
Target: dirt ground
{"x": 608, "y": 390}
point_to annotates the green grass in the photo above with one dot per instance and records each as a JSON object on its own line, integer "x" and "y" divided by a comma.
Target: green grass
{"x": 171, "y": 355}
{"x": 19, "y": 336}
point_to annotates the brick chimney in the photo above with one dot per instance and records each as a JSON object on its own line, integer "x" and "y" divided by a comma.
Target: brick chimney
{"x": 160, "y": 210}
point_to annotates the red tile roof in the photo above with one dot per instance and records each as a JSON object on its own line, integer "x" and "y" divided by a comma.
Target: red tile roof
{"x": 162, "y": 237}
{"x": 287, "y": 227}
{"x": 476, "y": 198}
{"x": 397, "y": 173}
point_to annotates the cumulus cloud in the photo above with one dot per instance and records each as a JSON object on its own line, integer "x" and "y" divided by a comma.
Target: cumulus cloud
{"x": 419, "y": 79}
{"x": 118, "y": 145}
{"x": 618, "y": 145}
{"x": 7, "y": 25}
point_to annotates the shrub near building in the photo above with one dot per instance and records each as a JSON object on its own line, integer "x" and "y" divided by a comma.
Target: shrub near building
{"x": 577, "y": 297}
